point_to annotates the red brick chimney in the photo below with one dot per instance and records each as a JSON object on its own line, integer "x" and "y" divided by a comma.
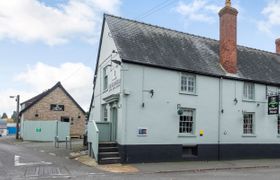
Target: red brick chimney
{"x": 277, "y": 42}
{"x": 228, "y": 38}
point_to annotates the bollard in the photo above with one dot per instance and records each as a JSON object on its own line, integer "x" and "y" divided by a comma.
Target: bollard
{"x": 68, "y": 139}
{"x": 56, "y": 142}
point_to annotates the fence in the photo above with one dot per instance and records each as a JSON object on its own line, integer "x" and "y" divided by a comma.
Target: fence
{"x": 44, "y": 130}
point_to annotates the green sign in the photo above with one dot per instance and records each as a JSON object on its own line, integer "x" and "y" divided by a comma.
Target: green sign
{"x": 38, "y": 129}
{"x": 273, "y": 105}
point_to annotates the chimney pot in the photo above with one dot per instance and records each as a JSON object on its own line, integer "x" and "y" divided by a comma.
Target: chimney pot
{"x": 228, "y": 38}
{"x": 277, "y": 43}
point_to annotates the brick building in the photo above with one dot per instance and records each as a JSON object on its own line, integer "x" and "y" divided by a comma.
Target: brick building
{"x": 55, "y": 104}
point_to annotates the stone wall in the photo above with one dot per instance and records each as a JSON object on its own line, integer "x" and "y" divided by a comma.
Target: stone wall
{"x": 41, "y": 111}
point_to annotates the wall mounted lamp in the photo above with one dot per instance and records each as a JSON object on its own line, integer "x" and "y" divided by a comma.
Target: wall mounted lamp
{"x": 235, "y": 101}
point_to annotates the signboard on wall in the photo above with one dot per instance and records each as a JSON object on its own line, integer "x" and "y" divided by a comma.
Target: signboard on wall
{"x": 57, "y": 107}
{"x": 273, "y": 105}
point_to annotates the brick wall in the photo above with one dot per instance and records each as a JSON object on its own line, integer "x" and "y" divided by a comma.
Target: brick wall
{"x": 42, "y": 109}
{"x": 228, "y": 39}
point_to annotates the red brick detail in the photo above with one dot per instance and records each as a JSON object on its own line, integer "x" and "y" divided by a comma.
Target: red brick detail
{"x": 228, "y": 39}
{"x": 277, "y": 43}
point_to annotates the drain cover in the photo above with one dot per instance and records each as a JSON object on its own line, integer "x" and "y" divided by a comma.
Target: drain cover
{"x": 46, "y": 171}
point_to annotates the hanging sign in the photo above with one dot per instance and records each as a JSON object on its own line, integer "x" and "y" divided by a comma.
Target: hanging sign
{"x": 273, "y": 105}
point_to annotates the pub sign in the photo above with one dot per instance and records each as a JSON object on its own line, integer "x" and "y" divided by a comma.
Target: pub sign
{"x": 273, "y": 105}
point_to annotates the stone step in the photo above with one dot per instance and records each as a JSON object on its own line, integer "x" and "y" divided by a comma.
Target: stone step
{"x": 108, "y": 154}
{"x": 110, "y": 160}
{"x": 108, "y": 144}
{"x": 108, "y": 149}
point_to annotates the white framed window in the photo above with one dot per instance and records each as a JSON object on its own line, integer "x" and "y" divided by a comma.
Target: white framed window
{"x": 278, "y": 125}
{"x": 188, "y": 83}
{"x": 248, "y": 123}
{"x": 249, "y": 91}
{"x": 186, "y": 121}
{"x": 105, "y": 79}
{"x": 105, "y": 113}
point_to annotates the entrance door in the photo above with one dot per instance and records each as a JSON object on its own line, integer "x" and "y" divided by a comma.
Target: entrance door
{"x": 114, "y": 120}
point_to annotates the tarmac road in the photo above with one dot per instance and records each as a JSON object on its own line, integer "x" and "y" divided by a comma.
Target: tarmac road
{"x": 18, "y": 162}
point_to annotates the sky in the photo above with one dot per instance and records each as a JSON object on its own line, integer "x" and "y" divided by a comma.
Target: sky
{"x": 46, "y": 41}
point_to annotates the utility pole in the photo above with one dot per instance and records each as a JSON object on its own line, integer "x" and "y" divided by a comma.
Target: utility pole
{"x": 17, "y": 100}
{"x": 17, "y": 126}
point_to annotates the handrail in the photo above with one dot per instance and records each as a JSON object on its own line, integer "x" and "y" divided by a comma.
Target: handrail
{"x": 93, "y": 138}
{"x": 95, "y": 126}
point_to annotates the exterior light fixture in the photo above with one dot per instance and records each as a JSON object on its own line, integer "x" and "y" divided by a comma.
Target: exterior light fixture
{"x": 116, "y": 61}
{"x": 235, "y": 101}
{"x": 179, "y": 110}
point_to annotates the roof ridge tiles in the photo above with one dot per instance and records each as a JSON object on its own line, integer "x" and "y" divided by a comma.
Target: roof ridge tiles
{"x": 185, "y": 33}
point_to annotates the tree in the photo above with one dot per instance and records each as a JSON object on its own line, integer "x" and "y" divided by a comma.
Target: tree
{"x": 4, "y": 116}
{"x": 14, "y": 116}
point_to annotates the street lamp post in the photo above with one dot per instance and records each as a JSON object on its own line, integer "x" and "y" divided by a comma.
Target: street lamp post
{"x": 17, "y": 120}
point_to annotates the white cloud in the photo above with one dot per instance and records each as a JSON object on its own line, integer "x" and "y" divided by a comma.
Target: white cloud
{"x": 75, "y": 77}
{"x": 31, "y": 20}
{"x": 7, "y": 104}
{"x": 198, "y": 10}
{"x": 272, "y": 17}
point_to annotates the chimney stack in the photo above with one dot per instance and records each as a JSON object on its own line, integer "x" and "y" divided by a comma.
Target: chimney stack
{"x": 277, "y": 43}
{"x": 228, "y": 38}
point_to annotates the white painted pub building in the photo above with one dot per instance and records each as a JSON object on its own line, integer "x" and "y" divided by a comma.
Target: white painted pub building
{"x": 164, "y": 95}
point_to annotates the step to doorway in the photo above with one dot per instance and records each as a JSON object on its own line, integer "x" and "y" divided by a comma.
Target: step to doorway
{"x": 108, "y": 153}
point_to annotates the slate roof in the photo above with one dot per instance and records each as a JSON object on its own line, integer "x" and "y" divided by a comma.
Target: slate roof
{"x": 30, "y": 102}
{"x": 165, "y": 48}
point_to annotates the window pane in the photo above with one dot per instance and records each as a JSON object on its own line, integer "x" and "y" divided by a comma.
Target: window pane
{"x": 188, "y": 83}
{"x": 249, "y": 91}
{"x": 248, "y": 126}
{"x": 186, "y": 121}
{"x": 278, "y": 125}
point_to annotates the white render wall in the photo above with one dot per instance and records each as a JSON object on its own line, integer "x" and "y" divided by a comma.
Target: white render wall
{"x": 106, "y": 50}
{"x": 160, "y": 117}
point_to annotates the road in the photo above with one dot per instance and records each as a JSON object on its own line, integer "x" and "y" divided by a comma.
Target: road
{"x": 18, "y": 162}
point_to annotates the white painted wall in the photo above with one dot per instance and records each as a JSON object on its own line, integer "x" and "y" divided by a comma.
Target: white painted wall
{"x": 114, "y": 74}
{"x": 159, "y": 115}
{"x": 160, "y": 112}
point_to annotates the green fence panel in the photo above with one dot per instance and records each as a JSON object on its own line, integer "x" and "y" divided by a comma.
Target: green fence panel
{"x": 104, "y": 131}
{"x": 44, "y": 130}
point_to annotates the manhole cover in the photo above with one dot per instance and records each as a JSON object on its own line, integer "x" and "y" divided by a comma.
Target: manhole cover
{"x": 46, "y": 171}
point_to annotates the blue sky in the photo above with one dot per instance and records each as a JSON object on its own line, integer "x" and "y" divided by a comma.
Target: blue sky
{"x": 45, "y": 41}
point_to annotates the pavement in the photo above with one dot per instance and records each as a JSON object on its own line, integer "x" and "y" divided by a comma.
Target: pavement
{"x": 142, "y": 168}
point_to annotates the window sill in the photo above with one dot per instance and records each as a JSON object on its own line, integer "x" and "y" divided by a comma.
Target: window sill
{"x": 249, "y": 135}
{"x": 186, "y": 93}
{"x": 186, "y": 135}
{"x": 249, "y": 100}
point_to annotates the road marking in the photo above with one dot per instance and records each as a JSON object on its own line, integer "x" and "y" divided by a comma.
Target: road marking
{"x": 18, "y": 163}
{"x": 52, "y": 154}
{"x": 42, "y": 151}
{"x": 47, "y": 172}
{"x": 101, "y": 174}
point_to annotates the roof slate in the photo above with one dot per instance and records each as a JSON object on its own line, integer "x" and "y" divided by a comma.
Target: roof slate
{"x": 156, "y": 46}
{"x": 30, "y": 102}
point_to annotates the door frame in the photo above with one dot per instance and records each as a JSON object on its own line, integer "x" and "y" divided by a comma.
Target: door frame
{"x": 114, "y": 122}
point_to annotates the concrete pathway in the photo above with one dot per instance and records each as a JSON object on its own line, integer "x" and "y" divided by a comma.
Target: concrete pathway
{"x": 195, "y": 166}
